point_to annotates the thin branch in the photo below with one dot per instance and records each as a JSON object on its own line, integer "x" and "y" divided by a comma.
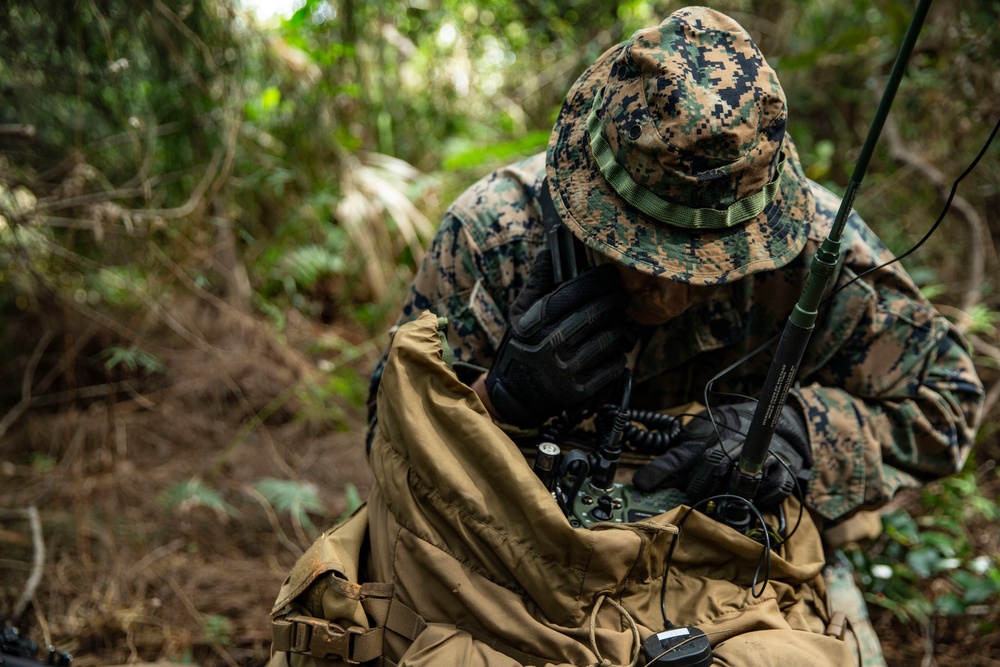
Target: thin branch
{"x": 559, "y": 69}
{"x": 23, "y": 130}
{"x": 194, "y": 200}
{"x": 272, "y": 518}
{"x": 154, "y": 306}
{"x": 179, "y": 58}
{"x": 978, "y": 238}
{"x": 26, "y": 382}
{"x": 206, "y": 53}
{"x": 54, "y": 204}
{"x": 240, "y": 316}
{"x": 199, "y": 619}
{"x": 991, "y": 351}
{"x": 154, "y": 132}
{"x": 90, "y": 391}
{"x": 38, "y": 560}
{"x": 928, "y": 637}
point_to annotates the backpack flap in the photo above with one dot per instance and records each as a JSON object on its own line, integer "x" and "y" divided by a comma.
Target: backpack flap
{"x": 318, "y": 610}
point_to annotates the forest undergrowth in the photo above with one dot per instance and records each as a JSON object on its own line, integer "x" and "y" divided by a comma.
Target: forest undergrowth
{"x": 206, "y": 228}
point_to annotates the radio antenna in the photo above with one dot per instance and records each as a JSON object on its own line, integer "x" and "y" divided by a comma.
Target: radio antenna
{"x": 746, "y": 476}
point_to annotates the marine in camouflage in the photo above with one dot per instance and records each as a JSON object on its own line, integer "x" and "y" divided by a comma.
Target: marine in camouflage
{"x": 670, "y": 157}
{"x": 887, "y": 385}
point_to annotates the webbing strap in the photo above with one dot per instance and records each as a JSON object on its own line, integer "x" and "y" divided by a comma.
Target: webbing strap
{"x": 393, "y": 615}
{"x": 320, "y": 638}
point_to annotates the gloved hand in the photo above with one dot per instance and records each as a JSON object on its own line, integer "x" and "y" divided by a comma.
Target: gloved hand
{"x": 563, "y": 344}
{"x": 697, "y": 447}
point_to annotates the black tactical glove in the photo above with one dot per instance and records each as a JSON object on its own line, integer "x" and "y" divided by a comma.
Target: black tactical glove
{"x": 563, "y": 344}
{"x": 704, "y": 465}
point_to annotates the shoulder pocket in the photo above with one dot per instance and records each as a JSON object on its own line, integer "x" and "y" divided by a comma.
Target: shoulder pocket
{"x": 318, "y": 612}
{"x": 325, "y": 615}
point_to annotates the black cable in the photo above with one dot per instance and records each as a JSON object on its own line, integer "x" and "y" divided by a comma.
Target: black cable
{"x": 736, "y": 364}
{"x": 944, "y": 211}
{"x": 763, "y": 562}
{"x": 647, "y": 432}
{"x": 800, "y": 496}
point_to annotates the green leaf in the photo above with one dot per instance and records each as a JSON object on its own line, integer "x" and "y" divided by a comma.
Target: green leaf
{"x": 350, "y": 385}
{"x": 944, "y": 544}
{"x": 270, "y": 98}
{"x": 217, "y": 629}
{"x": 984, "y": 319}
{"x": 295, "y": 498}
{"x": 353, "y": 498}
{"x": 923, "y": 561}
{"x": 975, "y": 589}
{"x": 471, "y": 155}
{"x": 309, "y": 264}
{"x": 185, "y": 496}
{"x": 949, "y": 605}
{"x": 901, "y": 527}
{"x": 133, "y": 358}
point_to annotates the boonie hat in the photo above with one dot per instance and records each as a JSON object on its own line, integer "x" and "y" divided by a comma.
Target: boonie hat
{"x": 670, "y": 155}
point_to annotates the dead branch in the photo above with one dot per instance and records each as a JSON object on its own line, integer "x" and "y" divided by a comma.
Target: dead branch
{"x": 194, "y": 201}
{"x": 91, "y": 391}
{"x": 927, "y": 631}
{"x": 26, "y": 383}
{"x": 199, "y": 619}
{"x": 194, "y": 338}
{"x": 226, "y": 260}
{"x": 993, "y": 352}
{"x": 272, "y": 518}
{"x": 54, "y": 204}
{"x": 22, "y": 130}
{"x": 38, "y": 560}
{"x": 978, "y": 237}
{"x": 244, "y": 318}
{"x": 178, "y": 23}
{"x": 562, "y": 67}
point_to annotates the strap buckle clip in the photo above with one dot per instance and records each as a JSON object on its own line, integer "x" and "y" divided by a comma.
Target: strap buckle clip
{"x": 324, "y": 639}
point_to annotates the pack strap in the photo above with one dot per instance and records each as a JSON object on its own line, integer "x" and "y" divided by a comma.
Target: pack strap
{"x": 389, "y": 613}
{"x": 324, "y": 639}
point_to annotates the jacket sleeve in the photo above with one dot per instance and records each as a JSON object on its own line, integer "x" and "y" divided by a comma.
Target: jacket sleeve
{"x": 449, "y": 281}
{"x": 477, "y": 263}
{"x": 891, "y": 396}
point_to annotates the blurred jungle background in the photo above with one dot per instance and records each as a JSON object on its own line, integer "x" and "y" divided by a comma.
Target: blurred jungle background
{"x": 208, "y": 219}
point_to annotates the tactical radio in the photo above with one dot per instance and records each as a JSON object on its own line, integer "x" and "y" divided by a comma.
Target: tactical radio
{"x": 568, "y": 477}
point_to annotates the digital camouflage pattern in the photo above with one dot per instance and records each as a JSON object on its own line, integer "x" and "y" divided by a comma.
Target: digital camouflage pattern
{"x": 669, "y": 155}
{"x": 887, "y": 385}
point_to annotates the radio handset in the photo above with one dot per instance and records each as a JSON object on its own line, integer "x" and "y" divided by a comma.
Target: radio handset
{"x": 569, "y": 255}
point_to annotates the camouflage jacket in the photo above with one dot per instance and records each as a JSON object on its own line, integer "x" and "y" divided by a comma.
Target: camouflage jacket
{"x": 888, "y": 388}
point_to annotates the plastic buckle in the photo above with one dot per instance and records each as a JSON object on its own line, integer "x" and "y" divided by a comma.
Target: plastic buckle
{"x": 334, "y": 641}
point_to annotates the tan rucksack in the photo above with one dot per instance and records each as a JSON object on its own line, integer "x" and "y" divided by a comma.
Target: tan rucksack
{"x": 461, "y": 557}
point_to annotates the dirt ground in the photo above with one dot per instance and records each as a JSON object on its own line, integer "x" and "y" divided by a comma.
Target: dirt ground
{"x": 131, "y": 575}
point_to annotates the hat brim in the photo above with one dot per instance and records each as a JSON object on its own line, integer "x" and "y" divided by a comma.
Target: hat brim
{"x": 605, "y": 222}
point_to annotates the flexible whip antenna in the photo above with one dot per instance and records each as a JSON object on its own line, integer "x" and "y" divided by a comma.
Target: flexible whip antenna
{"x": 798, "y": 329}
